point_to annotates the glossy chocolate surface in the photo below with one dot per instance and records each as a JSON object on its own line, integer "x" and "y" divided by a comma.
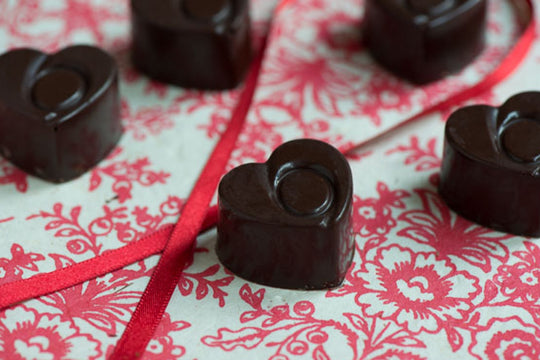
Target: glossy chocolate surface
{"x": 424, "y": 40}
{"x": 491, "y": 166}
{"x": 59, "y": 113}
{"x": 286, "y": 223}
{"x": 203, "y": 44}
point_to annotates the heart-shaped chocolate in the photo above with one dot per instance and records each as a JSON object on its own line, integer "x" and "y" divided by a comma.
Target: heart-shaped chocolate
{"x": 424, "y": 40}
{"x": 286, "y": 223}
{"x": 491, "y": 165}
{"x": 60, "y": 113}
{"x": 203, "y": 44}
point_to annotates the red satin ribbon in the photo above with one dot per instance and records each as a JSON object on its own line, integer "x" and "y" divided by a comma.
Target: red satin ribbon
{"x": 176, "y": 253}
{"x": 112, "y": 260}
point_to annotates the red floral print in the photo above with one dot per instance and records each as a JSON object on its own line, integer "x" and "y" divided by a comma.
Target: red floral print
{"x": 506, "y": 339}
{"x": 418, "y": 291}
{"x": 125, "y": 174}
{"x": 221, "y": 103}
{"x": 10, "y": 174}
{"x": 291, "y": 333}
{"x": 298, "y": 334}
{"x": 424, "y": 158}
{"x": 398, "y": 355}
{"x": 87, "y": 239}
{"x": 450, "y": 235}
{"x": 382, "y": 92}
{"x": 14, "y": 268}
{"x": 373, "y": 216}
{"x": 147, "y": 120}
{"x": 100, "y": 302}
{"x": 300, "y": 78}
{"x": 75, "y": 16}
{"x": 187, "y": 284}
{"x": 43, "y": 336}
{"x": 162, "y": 346}
{"x": 521, "y": 279}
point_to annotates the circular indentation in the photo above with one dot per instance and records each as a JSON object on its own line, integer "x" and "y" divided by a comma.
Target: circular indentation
{"x": 430, "y": 7}
{"x": 58, "y": 88}
{"x": 207, "y": 9}
{"x": 305, "y": 192}
{"x": 521, "y": 140}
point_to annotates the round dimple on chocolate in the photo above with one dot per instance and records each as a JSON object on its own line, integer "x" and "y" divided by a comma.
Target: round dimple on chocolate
{"x": 207, "y": 9}
{"x": 305, "y": 192}
{"x": 520, "y": 140}
{"x": 58, "y": 88}
{"x": 431, "y": 7}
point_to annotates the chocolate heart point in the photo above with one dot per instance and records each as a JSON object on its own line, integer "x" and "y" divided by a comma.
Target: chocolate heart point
{"x": 490, "y": 168}
{"x": 286, "y": 223}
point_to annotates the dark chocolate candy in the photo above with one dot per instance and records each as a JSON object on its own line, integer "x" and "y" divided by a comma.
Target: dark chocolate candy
{"x": 491, "y": 166}
{"x": 286, "y": 223}
{"x": 424, "y": 40}
{"x": 60, "y": 113}
{"x": 203, "y": 44}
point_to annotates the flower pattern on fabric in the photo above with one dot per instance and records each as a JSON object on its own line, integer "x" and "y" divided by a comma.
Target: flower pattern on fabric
{"x": 43, "y": 336}
{"x": 521, "y": 279}
{"x": 373, "y": 216}
{"x": 452, "y": 235}
{"x": 13, "y": 269}
{"x": 416, "y": 290}
{"x": 125, "y": 175}
{"x": 162, "y": 346}
{"x": 506, "y": 339}
{"x": 9, "y": 174}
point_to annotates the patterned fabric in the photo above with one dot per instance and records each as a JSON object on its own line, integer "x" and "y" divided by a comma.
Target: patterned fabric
{"x": 425, "y": 283}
